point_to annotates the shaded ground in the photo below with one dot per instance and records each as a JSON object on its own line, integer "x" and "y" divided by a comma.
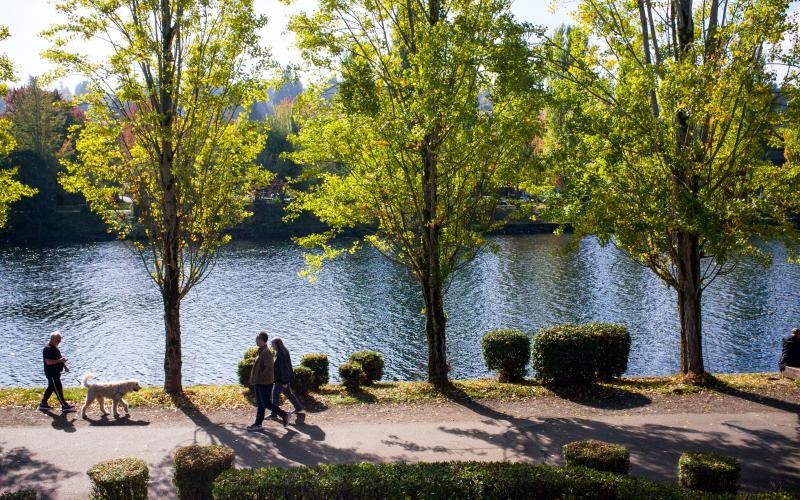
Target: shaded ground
{"x": 51, "y": 452}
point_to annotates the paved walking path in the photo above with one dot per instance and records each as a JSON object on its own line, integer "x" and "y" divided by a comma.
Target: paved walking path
{"x": 52, "y": 453}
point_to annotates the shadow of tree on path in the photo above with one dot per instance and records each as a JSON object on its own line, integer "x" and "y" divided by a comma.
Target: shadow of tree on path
{"x": 19, "y": 469}
{"x": 769, "y": 459}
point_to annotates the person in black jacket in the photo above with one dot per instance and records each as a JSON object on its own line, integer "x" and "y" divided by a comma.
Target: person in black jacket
{"x": 790, "y": 354}
{"x": 54, "y": 364}
{"x": 284, "y": 374}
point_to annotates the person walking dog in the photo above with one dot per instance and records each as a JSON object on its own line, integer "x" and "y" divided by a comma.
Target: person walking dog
{"x": 54, "y": 364}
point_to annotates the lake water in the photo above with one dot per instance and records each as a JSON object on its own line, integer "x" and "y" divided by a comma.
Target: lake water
{"x": 110, "y": 313}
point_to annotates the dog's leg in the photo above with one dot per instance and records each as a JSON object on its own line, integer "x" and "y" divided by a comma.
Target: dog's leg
{"x": 86, "y": 404}
{"x": 116, "y": 399}
{"x": 102, "y": 402}
{"x": 124, "y": 405}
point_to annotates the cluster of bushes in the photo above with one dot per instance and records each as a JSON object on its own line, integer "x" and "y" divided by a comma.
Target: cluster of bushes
{"x": 362, "y": 367}
{"x": 308, "y": 376}
{"x": 560, "y": 354}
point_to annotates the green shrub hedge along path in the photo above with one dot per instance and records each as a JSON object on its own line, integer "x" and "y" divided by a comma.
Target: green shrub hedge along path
{"x": 228, "y": 397}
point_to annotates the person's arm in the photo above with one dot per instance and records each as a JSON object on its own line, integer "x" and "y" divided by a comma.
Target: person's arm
{"x": 51, "y": 362}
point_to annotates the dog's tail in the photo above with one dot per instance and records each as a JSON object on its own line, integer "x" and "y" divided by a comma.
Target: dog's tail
{"x": 85, "y": 379}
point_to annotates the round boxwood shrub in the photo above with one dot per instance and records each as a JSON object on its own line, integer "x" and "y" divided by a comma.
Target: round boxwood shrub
{"x": 119, "y": 479}
{"x": 371, "y": 362}
{"x": 246, "y": 366}
{"x": 352, "y": 375}
{"x": 564, "y": 354}
{"x": 710, "y": 472}
{"x": 196, "y": 467}
{"x": 597, "y": 455}
{"x": 507, "y": 352}
{"x": 613, "y": 347}
{"x": 318, "y": 363}
{"x": 303, "y": 380}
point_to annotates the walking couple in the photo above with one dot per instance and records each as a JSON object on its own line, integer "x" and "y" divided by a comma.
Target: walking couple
{"x": 269, "y": 377}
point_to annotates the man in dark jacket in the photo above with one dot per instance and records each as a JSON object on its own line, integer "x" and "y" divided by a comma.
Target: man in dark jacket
{"x": 790, "y": 354}
{"x": 54, "y": 364}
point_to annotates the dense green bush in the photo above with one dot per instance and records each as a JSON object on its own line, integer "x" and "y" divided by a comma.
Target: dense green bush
{"x": 246, "y": 366}
{"x": 303, "y": 381}
{"x": 18, "y": 495}
{"x": 462, "y": 480}
{"x": 371, "y": 362}
{"x": 581, "y": 353}
{"x": 196, "y": 467}
{"x": 613, "y": 348}
{"x": 119, "y": 479}
{"x": 352, "y": 375}
{"x": 597, "y": 455}
{"x": 564, "y": 354}
{"x": 507, "y": 352}
{"x": 318, "y": 363}
{"x": 709, "y": 472}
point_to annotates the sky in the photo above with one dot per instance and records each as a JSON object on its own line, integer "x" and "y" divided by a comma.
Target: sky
{"x": 26, "y": 19}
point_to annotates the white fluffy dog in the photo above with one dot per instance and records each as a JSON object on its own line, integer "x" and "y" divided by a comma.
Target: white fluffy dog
{"x": 101, "y": 390}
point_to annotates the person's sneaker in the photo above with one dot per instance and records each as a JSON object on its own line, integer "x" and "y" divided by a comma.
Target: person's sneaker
{"x": 45, "y": 407}
{"x": 68, "y": 408}
{"x": 254, "y": 428}
{"x": 272, "y": 416}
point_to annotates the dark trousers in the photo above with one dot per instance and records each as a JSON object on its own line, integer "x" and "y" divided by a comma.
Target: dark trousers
{"x": 54, "y": 385}
{"x": 286, "y": 389}
{"x": 264, "y": 401}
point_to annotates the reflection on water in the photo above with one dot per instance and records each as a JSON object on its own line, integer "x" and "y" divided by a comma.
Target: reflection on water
{"x": 99, "y": 296}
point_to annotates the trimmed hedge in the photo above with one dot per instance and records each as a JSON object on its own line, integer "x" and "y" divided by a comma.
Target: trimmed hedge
{"x": 507, "y": 352}
{"x": 597, "y": 455}
{"x": 462, "y": 480}
{"x": 19, "y": 495}
{"x": 303, "y": 381}
{"x": 581, "y": 353}
{"x": 352, "y": 375}
{"x": 196, "y": 467}
{"x": 119, "y": 479}
{"x": 710, "y": 472}
{"x": 613, "y": 348}
{"x": 371, "y": 362}
{"x": 246, "y": 366}
{"x": 318, "y": 363}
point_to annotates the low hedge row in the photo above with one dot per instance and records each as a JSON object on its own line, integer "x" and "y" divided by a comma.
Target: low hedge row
{"x": 581, "y": 353}
{"x": 462, "y": 480}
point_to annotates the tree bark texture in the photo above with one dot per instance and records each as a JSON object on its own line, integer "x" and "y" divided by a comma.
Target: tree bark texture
{"x": 689, "y": 293}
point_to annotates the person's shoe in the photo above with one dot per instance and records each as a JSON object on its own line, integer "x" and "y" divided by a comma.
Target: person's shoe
{"x": 45, "y": 407}
{"x": 272, "y": 416}
{"x": 254, "y": 428}
{"x": 68, "y": 408}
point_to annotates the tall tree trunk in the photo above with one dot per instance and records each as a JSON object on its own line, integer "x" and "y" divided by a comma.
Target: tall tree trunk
{"x": 432, "y": 275}
{"x": 173, "y": 378}
{"x": 170, "y": 238}
{"x": 435, "y": 332}
{"x": 689, "y": 292}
